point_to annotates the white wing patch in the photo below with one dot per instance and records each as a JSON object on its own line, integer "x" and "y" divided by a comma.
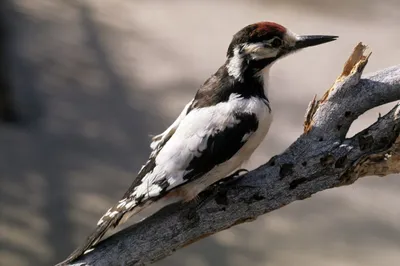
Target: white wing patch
{"x": 109, "y": 214}
{"x": 190, "y": 140}
{"x": 160, "y": 138}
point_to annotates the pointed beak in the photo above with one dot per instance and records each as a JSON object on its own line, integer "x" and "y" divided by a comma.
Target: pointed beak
{"x": 312, "y": 40}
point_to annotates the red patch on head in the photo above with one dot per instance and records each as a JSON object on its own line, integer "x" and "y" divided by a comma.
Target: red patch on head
{"x": 270, "y": 27}
{"x": 257, "y": 32}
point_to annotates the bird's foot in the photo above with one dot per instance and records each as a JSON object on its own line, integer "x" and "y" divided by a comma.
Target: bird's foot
{"x": 230, "y": 179}
{"x": 215, "y": 190}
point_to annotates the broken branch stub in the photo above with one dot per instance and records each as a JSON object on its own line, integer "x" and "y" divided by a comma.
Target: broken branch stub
{"x": 349, "y": 77}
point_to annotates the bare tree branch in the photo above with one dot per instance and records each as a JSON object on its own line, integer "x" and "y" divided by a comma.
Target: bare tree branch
{"x": 320, "y": 159}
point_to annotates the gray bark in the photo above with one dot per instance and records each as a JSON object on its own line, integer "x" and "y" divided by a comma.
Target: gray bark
{"x": 320, "y": 159}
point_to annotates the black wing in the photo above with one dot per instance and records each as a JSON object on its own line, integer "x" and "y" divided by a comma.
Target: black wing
{"x": 223, "y": 145}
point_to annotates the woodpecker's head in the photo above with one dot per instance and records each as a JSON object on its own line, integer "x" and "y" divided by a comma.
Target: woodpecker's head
{"x": 258, "y": 45}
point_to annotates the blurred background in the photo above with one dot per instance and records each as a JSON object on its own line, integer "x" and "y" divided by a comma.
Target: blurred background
{"x": 84, "y": 83}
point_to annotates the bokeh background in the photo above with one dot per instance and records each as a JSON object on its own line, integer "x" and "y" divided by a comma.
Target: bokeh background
{"x": 91, "y": 80}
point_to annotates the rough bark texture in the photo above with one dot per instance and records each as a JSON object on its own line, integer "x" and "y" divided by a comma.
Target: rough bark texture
{"x": 320, "y": 159}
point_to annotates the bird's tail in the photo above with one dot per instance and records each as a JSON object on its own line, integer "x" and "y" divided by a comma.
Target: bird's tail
{"x": 118, "y": 214}
{"x": 112, "y": 218}
{"x": 92, "y": 240}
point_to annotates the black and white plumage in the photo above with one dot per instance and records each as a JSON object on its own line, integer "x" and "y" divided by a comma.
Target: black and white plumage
{"x": 217, "y": 131}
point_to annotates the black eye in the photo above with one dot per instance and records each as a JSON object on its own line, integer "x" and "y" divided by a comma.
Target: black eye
{"x": 276, "y": 43}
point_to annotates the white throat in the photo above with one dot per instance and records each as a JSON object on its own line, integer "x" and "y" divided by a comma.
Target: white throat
{"x": 236, "y": 69}
{"x": 263, "y": 75}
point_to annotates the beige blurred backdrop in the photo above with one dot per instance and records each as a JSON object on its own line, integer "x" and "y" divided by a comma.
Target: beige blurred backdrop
{"x": 93, "y": 79}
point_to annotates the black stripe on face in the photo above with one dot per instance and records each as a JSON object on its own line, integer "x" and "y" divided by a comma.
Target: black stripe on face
{"x": 222, "y": 145}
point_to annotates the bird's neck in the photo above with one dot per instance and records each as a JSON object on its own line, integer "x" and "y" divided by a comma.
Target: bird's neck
{"x": 252, "y": 74}
{"x": 264, "y": 78}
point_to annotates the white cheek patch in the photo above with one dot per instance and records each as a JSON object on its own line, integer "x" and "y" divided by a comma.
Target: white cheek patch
{"x": 257, "y": 51}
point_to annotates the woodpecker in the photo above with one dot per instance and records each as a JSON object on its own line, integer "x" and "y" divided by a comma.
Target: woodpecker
{"x": 216, "y": 132}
